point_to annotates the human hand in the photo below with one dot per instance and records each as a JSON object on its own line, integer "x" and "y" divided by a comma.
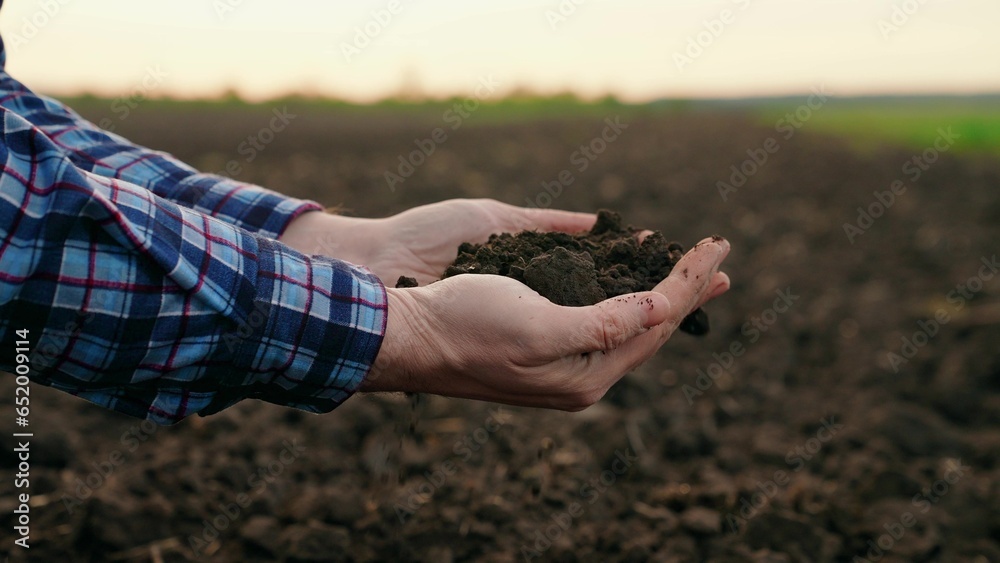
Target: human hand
{"x": 492, "y": 338}
{"x": 421, "y": 242}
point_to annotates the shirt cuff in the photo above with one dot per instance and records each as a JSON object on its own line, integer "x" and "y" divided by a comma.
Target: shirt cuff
{"x": 247, "y": 206}
{"x": 313, "y": 334}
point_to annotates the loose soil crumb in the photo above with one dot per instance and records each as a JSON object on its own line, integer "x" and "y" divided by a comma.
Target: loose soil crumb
{"x": 406, "y": 281}
{"x": 581, "y": 269}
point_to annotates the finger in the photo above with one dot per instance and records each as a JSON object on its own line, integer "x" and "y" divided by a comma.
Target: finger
{"x": 720, "y": 284}
{"x": 611, "y": 323}
{"x": 693, "y": 280}
{"x": 683, "y": 294}
{"x": 606, "y": 325}
{"x": 557, "y": 220}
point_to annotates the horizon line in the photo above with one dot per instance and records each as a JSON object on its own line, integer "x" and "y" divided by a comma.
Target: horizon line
{"x": 518, "y": 95}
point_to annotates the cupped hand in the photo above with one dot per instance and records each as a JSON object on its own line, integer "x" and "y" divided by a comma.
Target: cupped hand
{"x": 492, "y": 338}
{"x": 421, "y": 242}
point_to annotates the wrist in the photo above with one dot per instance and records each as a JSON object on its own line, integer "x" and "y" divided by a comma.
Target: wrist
{"x": 397, "y": 366}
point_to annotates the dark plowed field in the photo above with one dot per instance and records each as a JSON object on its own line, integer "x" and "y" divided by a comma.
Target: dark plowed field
{"x": 846, "y": 403}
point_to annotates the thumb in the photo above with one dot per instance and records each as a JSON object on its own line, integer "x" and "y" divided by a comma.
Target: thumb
{"x": 610, "y": 323}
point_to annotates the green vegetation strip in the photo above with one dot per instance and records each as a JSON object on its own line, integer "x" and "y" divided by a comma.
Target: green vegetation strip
{"x": 915, "y": 125}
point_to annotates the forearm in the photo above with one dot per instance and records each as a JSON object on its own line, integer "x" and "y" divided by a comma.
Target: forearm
{"x": 155, "y": 310}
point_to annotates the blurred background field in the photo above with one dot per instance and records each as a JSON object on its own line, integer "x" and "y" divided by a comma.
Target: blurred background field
{"x": 735, "y": 466}
{"x": 867, "y": 122}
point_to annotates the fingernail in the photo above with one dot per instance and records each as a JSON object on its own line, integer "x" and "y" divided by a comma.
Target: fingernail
{"x": 716, "y": 239}
{"x": 653, "y": 309}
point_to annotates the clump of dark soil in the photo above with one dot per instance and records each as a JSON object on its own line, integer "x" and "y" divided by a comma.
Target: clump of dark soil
{"x": 580, "y": 269}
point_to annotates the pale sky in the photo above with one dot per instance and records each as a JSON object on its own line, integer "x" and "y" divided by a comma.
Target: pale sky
{"x": 632, "y": 48}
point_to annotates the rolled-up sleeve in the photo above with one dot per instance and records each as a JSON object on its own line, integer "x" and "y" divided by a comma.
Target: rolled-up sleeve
{"x": 159, "y": 311}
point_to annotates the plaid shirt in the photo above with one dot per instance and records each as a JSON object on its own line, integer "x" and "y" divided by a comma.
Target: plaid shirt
{"x": 158, "y": 291}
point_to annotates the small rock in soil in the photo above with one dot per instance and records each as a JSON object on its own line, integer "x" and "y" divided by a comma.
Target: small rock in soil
{"x": 261, "y": 532}
{"x": 701, "y": 520}
{"x": 317, "y": 542}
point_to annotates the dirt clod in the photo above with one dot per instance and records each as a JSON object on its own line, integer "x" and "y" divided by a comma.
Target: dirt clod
{"x": 580, "y": 269}
{"x": 406, "y": 281}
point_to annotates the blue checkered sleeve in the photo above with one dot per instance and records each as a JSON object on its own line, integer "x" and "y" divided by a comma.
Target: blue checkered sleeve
{"x": 101, "y": 152}
{"x": 157, "y": 310}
